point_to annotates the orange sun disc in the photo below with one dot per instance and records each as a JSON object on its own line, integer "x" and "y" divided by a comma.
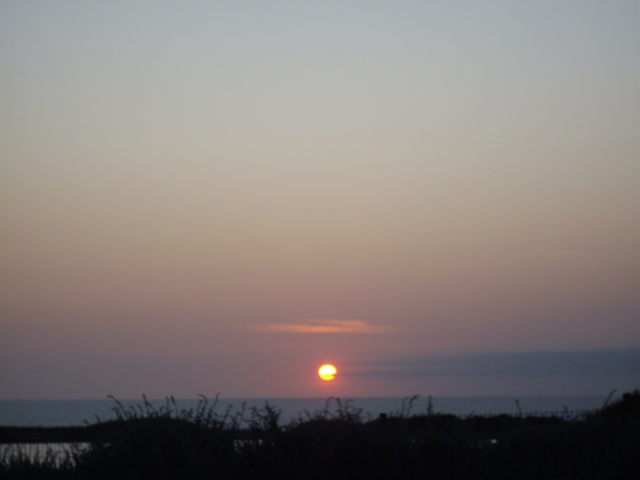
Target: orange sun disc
{"x": 327, "y": 372}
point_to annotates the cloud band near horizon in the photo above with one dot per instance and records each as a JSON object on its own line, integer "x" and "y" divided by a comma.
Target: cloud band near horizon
{"x": 624, "y": 362}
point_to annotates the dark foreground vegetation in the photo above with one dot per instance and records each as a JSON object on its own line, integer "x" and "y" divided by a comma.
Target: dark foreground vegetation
{"x": 339, "y": 442}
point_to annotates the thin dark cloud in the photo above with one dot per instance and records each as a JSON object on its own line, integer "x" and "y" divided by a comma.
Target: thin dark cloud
{"x": 548, "y": 364}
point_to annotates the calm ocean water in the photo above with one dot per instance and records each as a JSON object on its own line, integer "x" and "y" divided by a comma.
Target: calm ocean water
{"x": 78, "y": 412}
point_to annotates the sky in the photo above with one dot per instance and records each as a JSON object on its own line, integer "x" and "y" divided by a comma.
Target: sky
{"x": 440, "y": 198}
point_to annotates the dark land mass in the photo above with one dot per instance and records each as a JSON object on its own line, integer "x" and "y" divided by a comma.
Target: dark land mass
{"x": 343, "y": 443}
{"x": 46, "y": 435}
{"x": 101, "y": 432}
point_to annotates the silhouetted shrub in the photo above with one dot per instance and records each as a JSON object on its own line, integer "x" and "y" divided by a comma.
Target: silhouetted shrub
{"x": 340, "y": 442}
{"x": 626, "y": 407}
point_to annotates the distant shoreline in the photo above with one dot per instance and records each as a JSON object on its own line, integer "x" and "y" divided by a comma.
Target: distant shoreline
{"x": 78, "y": 413}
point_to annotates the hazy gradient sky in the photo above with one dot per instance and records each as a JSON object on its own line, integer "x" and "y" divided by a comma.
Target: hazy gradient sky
{"x": 199, "y": 197}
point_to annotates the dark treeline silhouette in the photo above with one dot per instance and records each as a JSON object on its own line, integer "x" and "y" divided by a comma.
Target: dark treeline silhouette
{"x": 337, "y": 442}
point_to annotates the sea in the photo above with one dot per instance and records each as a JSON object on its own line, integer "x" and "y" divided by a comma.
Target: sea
{"x": 61, "y": 413}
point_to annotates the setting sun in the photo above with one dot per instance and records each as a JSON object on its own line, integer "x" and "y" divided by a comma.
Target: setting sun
{"x": 327, "y": 372}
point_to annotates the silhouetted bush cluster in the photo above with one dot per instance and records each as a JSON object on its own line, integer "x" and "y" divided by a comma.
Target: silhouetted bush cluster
{"x": 341, "y": 442}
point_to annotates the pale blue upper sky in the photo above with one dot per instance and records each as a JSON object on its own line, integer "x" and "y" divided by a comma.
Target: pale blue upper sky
{"x": 177, "y": 177}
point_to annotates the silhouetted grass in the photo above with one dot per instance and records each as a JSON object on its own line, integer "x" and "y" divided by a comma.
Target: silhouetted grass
{"x": 343, "y": 442}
